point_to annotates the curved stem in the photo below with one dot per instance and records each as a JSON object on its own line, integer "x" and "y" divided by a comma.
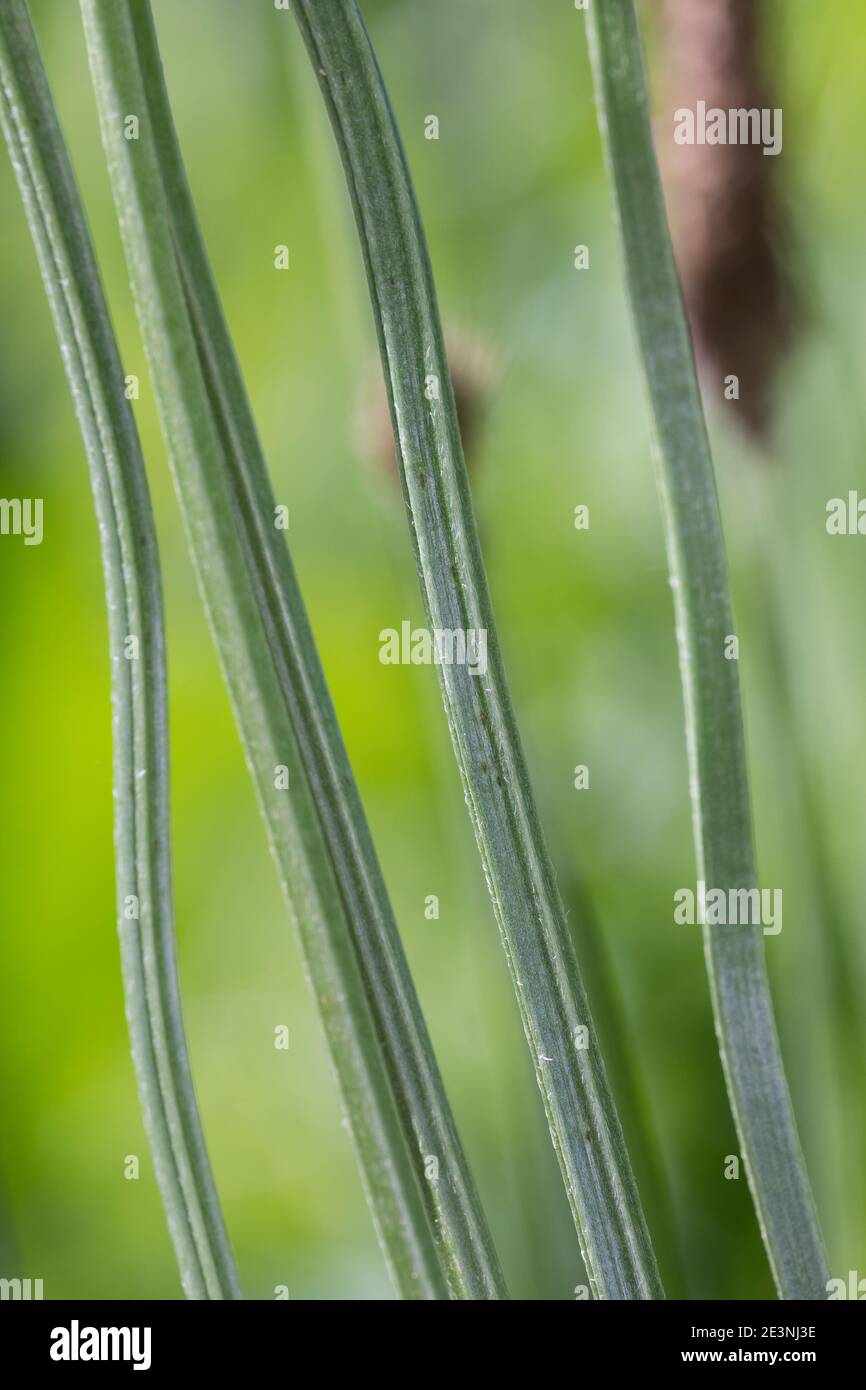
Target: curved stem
{"x": 745, "y": 1025}
{"x": 583, "y": 1122}
{"x": 134, "y": 595}
{"x": 455, "y": 1210}
{"x": 432, "y": 1233}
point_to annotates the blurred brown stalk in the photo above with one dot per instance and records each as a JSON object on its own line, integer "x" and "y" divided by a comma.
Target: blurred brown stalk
{"x": 727, "y": 221}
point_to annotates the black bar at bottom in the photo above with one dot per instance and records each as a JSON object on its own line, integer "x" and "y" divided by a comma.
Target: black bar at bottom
{"x": 152, "y": 1338}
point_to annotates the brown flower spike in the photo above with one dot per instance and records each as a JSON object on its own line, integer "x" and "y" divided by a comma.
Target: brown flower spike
{"x": 727, "y": 222}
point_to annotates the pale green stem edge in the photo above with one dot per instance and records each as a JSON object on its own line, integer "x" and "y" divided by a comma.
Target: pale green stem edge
{"x": 138, "y": 679}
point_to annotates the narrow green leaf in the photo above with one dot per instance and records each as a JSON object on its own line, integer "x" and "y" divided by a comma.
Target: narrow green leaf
{"x": 433, "y": 1232}
{"x": 454, "y": 1206}
{"x": 746, "y": 1029}
{"x": 133, "y": 589}
{"x": 583, "y": 1121}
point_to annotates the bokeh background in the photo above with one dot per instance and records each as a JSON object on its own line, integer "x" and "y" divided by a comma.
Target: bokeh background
{"x": 513, "y": 183}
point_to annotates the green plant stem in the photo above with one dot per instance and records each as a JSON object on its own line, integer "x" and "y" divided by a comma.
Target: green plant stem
{"x": 455, "y": 1211}
{"x": 433, "y": 1232}
{"x": 133, "y": 588}
{"x": 583, "y": 1121}
{"x": 745, "y": 1026}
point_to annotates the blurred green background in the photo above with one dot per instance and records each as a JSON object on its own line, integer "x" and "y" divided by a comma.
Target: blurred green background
{"x": 513, "y": 183}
